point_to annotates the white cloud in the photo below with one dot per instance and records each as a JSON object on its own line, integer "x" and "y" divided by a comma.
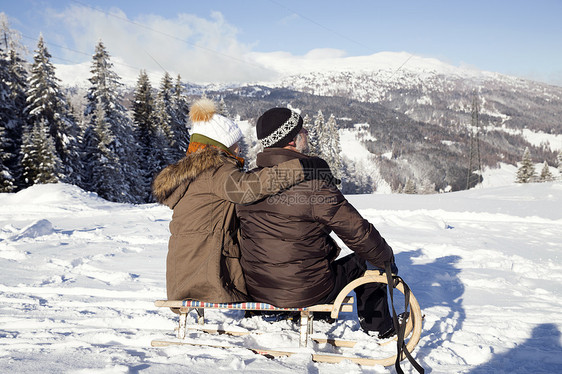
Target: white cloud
{"x": 324, "y": 53}
{"x": 201, "y": 50}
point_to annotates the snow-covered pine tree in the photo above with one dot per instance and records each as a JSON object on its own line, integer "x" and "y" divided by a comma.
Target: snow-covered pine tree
{"x": 18, "y": 87}
{"x": 410, "y": 187}
{"x": 13, "y": 77}
{"x": 180, "y": 121}
{"x": 546, "y": 175}
{"x": 306, "y": 122}
{"x": 526, "y": 171}
{"x": 7, "y": 116}
{"x": 427, "y": 187}
{"x": 222, "y": 109}
{"x": 151, "y": 139}
{"x": 332, "y": 149}
{"x": 143, "y": 120}
{"x": 165, "y": 118}
{"x": 559, "y": 160}
{"x": 98, "y": 143}
{"x": 355, "y": 178}
{"x": 105, "y": 113}
{"x": 41, "y": 163}
{"x": 314, "y": 135}
{"x": 7, "y": 180}
{"x": 47, "y": 106}
{"x": 91, "y": 155}
{"x": 10, "y": 38}
{"x": 163, "y": 106}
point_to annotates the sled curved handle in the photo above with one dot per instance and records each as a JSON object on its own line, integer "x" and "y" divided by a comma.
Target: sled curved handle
{"x": 413, "y": 323}
{"x": 370, "y": 276}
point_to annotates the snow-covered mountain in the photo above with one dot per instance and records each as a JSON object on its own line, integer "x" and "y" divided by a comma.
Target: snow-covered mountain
{"x": 417, "y": 111}
{"x": 429, "y": 90}
{"x": 423, "y": 111}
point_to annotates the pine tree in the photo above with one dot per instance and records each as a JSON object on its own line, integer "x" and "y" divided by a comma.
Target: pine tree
{"x": 12, "y": 105}
{"x": 355, "y": 178}
{"x": 180, "y": 121}
{"x": 526, "y": 172}
{"x": 546, "y": 175}
{"x": 91, "y": 156}
{"x": 40, "y": 161}
{"x": 223, "y": 109}
{"x": 10, "y": 38}
{"x": 164, "y": 108}
{"x": 47, "y": 107}
{"x": 7, "y": 114}
{"x": 306, "y": 122}
{"x": 7, "y": 180}
{"x": 18, "y": 87}
{"x": 101, "y": 158}
{"x": 314, "y": 133}
{"x": 410, "y": 187}
{"x": 559, "y": 160}
{"x": 427, "y": 187}
{"x": 115, "y": 171}
{"x": 332, "y": 149}
{"x": 143, "y": 121}
{"x": 151, "y": 138}
{"x": 165, "y": 121}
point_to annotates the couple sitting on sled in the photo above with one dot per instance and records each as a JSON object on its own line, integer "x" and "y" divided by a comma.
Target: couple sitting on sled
{"x": 264, "y": 235}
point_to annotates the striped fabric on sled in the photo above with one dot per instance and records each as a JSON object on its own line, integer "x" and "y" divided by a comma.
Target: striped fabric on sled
{"x": 238, "y": 306}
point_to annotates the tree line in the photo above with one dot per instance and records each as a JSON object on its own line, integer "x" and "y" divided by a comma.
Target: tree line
{"x": 526, "y": 172}
{"x": 109, "y": 151}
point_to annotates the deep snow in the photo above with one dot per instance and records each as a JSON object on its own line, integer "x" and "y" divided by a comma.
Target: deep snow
{"x": 79, "y": 277}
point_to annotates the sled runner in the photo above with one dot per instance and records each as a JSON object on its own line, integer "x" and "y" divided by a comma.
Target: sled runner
{"x": 410, "y": 327}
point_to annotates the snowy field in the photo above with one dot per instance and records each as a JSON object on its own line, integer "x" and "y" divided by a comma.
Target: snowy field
{"x": 79, "y": 277}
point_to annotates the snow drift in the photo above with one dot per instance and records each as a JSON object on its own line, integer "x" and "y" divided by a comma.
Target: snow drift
{"x": 79, "y": 277}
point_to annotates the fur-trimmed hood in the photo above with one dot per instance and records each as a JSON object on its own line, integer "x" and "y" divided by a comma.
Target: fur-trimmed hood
{"x": 170, "y": 184}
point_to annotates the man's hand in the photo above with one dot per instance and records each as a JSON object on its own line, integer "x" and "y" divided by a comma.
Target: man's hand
{"x": 393, "y": 268}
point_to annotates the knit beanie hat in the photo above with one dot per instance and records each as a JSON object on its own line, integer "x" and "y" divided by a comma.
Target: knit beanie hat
{"x": 277, "y": 127}
{"x": 205, "y": 121}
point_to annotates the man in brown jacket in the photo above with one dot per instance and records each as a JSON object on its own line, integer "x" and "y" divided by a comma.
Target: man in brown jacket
{"x": 287, "y": 254}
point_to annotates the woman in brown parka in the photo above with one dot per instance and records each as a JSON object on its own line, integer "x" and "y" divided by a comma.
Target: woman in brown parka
{"x": 202, "y": 189}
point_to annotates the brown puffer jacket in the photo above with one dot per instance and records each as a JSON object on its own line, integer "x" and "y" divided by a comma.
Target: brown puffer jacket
{"x": 203, "y": 251}
{"x": 286, "y": 245}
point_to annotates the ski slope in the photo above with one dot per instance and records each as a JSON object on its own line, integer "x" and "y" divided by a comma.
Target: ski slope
{"x": 79, "y": 277}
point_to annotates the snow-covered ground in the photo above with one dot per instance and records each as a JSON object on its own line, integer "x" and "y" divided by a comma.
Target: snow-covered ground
{"x": 79, "y": 277}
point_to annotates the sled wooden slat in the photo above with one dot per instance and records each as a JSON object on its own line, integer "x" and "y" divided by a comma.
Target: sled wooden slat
{"x": 347, "y": 306}
{"x": 318, "y": 339}
{"x": 185, "y": 306}
{"x": 342, "y": 303}
{"x": 317, "y": 357}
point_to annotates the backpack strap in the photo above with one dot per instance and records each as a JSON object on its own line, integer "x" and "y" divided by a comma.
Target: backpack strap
{"x": 392, "y": 281}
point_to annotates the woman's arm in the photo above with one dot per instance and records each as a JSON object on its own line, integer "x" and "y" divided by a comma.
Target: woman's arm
{"x": 241, "y": 187}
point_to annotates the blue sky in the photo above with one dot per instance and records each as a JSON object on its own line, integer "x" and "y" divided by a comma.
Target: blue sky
{"x": 521, "y": 38}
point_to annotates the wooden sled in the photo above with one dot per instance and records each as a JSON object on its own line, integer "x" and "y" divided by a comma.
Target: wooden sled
{"x": 342, "y": 303}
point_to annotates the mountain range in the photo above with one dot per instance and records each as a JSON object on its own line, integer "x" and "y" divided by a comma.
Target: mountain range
{"x": 420, "y": 119}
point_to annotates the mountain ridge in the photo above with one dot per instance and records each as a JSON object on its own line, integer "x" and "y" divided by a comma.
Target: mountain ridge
{"x": 418, "y": 113}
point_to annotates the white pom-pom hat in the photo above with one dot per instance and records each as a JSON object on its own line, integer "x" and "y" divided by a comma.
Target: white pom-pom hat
{"x": 205, "y": 121}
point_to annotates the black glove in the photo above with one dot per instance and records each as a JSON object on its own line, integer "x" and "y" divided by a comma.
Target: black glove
{"x": 317, "y": 168}
{"x": 394, "y": 268}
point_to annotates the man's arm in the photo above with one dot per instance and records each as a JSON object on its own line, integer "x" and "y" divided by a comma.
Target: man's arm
{"x": 333, "y": 210}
